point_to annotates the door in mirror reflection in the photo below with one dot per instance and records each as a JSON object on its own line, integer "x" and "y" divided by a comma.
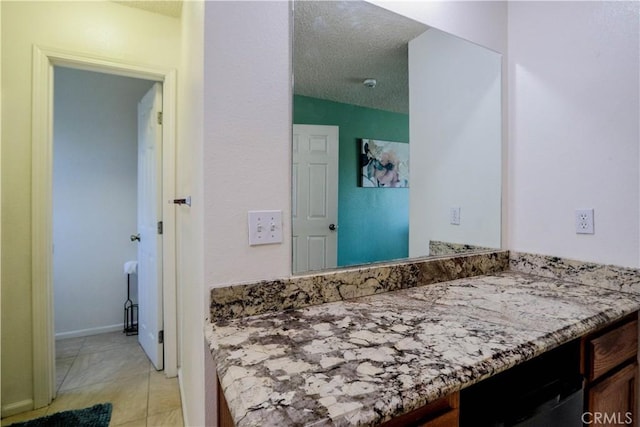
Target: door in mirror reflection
{"x": 315, "y": 197}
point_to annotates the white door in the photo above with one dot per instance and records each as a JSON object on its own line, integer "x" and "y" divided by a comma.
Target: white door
{"x": 149, "y": 215}
{"x": 315, "y": 197}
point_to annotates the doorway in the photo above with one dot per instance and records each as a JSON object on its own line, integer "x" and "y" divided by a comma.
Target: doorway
{"x": 42, "y": 201}
{"x": 96, "y": 202}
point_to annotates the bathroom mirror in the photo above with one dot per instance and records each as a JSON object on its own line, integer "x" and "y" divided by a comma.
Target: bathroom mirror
{"x": 367, "y": 82}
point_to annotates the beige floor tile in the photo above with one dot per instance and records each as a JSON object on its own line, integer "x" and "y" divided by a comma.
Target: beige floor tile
{"x": 112, "y": 368}
{"x": 62, "y": 368}
{"x": 171, "y": 418}
{"x": 109, "y": 341}
{"x": 142, "y": 422}
{"x": 129, "y": 398}
{"x": 164, "y": 393}
{"x": 68, "y": 347}
{"x": 25, "y": 416}
{"x": 110, "y": 365}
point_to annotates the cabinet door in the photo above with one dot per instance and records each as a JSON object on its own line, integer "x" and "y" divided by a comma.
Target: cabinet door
{"x": 612, "y": 401}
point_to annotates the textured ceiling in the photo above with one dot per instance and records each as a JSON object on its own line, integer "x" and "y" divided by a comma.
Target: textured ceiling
{"x": 338, "y": 44}
{"x": 171, "y": 8}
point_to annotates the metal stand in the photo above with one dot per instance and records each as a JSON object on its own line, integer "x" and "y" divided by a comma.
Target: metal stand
{"x": 130, "y": 313}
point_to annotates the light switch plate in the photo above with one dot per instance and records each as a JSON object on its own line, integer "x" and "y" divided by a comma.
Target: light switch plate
{"x": 265, "y": 227}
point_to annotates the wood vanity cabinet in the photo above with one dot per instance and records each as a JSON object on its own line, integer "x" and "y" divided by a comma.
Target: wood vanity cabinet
{"x": 439, "y": 413}
{"x": 610, "y": 367}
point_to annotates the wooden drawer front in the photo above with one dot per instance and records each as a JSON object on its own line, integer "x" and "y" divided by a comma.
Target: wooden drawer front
{"x": 611, "y": 349}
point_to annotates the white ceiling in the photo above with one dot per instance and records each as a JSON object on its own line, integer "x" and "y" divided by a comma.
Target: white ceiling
{"x": 171, "y": 8}
{"x": 338, "y": 44}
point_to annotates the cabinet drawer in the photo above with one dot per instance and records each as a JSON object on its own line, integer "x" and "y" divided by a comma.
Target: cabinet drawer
{"x": 610, "y": 349}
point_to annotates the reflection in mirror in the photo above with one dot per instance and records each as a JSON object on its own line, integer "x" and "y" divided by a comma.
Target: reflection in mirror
{"x": 452, "y": 89}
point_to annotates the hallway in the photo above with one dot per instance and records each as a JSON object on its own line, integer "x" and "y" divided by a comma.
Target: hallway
{"x": 112, "y": 368}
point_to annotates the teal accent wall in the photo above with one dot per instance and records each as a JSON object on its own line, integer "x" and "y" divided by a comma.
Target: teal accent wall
{"x": 373, "y": 222}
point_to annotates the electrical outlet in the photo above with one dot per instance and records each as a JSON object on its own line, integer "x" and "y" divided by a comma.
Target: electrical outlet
{"x": 454, "y": 216}
{"x": 584, "y": 221}
{"x": 265, "y": 227}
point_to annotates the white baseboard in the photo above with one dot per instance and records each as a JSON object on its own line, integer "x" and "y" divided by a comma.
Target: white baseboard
{"x": 90, "y": 331}
{"x": 17, "y": 408}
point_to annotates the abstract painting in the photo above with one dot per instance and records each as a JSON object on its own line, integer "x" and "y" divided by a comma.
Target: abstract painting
{"x": 384, "y": 164}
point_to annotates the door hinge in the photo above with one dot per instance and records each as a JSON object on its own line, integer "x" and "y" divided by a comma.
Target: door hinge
{"x": 161, "y": 337}
{"x": 159, "y": 227}
{"x": 159, "y": 117}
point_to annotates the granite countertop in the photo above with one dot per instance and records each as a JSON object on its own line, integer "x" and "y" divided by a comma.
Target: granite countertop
{"x": 362, "y": 361}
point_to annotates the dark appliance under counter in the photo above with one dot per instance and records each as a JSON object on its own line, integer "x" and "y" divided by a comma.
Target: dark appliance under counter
{"x": 546, "y": 391}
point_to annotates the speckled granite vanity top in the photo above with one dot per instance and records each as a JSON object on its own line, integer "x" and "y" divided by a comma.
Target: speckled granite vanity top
{"x": 363, "y": 361}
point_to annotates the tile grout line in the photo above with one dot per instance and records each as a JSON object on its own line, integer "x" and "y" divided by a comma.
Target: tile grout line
{"x": 58, "y": 388}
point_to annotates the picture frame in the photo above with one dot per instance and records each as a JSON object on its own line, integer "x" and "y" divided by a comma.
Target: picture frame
{"x": 383, "y": 164}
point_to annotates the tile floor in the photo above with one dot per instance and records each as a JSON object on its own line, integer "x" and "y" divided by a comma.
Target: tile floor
{"x": 111, "y": 368}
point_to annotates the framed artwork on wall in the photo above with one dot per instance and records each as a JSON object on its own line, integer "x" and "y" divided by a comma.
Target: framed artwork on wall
{"x": 384, "y": 164}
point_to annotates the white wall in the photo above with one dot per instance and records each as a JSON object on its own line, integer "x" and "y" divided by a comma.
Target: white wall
{"x": 247, "y": 137}
{"x": 455, "y": 133}
{"x": 192, "y": 293}
{"x": 246, "y": 153}
{"x": 94, "y": 198}
{"x": 104, "y": 29}
{"x": 573, "y": 129}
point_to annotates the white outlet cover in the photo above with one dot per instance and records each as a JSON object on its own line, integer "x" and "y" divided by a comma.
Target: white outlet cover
{"x": 584, "y": 221}
{"x": 265, "y": 227}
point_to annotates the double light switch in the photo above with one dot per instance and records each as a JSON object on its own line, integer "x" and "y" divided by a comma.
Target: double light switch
{"x": 265, "y": 227}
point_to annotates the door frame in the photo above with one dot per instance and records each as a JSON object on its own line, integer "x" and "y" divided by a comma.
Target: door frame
{"x": 44, "y": 61}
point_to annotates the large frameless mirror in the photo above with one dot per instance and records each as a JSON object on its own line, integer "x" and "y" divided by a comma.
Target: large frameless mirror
{"x": 396, "y": 138}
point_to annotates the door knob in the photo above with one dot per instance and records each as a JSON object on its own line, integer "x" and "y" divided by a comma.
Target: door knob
{"x": 135, "y": 237}
{"x": 333, "y": 227}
